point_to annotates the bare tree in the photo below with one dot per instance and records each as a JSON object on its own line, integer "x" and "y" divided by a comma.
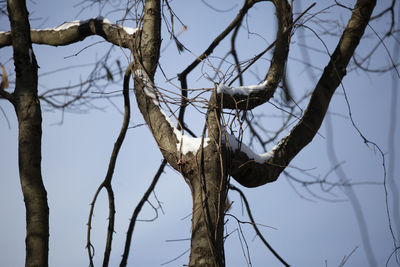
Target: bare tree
{"x": 208, "y": 162}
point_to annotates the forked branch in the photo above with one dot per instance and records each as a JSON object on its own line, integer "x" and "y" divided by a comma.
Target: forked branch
{"x": 236, "y": 22}
{"x": 249, "y": 172}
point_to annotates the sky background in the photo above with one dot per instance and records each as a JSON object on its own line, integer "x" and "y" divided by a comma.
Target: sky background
{"x": 308, "y": 227}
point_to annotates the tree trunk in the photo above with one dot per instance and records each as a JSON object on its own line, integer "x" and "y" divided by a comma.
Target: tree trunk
{"x": 35, "y": 195}
{"x": 207, "y": 246}
{"x": 27, "y": 107}
{"x": 209, "y": 191}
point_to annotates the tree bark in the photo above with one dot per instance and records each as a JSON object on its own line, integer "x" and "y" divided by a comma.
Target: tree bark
{"x": 204, "y": 171}
{"x": 207, "y": 240}
{"x": 209, "y": 185}
{"x": 27, "y": 106}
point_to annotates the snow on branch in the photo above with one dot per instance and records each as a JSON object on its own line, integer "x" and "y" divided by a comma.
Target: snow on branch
{"x": 249, "y": 97}
{"x": 186, "y": 144}
{"x": 251, "y": 174}
{"x": 67, "y": 25}
{"x": 148, "y": 87}
{"x": 241, "y": 90}
{"x": 75, "y": 31}
{"x": 236, "y": 145}
{"x": 245, "y": 97}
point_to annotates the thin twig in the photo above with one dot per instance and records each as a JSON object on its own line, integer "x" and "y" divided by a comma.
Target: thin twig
{"x": 136, "y": 213}
{"x": 182, "y": 76}
{"x": 269, "y": 47}
{"x": 107, "y": 180}
{"x": 246, "y": 203}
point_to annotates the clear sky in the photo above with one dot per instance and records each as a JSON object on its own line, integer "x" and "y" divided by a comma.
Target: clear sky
{"x": 307, "y": 226}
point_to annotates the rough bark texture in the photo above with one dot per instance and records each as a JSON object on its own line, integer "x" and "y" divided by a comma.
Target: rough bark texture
{"x": 28, "y": 111}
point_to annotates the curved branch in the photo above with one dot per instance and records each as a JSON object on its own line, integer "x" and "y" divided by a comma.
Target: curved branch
{"x": 146, "y": 54}
{"x": 136, "y": 213}
{"x": 235, "y": 55}
{"x": 246, "y": 203}
{"x": 107, "y": 180}
{"x": 174, "y": 145}
{"x": 75, "y": 31}
{"x": 183, "y": 75}
{"x": 250, "y": 173}
{"x": 246, "y": 98}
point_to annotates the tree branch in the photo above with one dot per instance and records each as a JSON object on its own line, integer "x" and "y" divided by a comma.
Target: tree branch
{"x": 75, "y": 31}
{"x": 174, "y": 145}
{"x": 249, "y": 97}
{"x": 6, "y": 95}
{"x": 107, "y": 180}
{"x": 246, "y": 203}
{"x": 183, "y": 75}
{"x": 251, "y": 173}
{"x": 137, "y": 211}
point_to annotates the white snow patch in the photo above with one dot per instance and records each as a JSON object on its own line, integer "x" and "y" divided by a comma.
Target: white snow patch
{"x": 67, "y": 25}
{"x": 241, "y": 90}
{"x": 130, "y": 30}
{"x": 186, "y": 143}
{"x": 105, "y": 20}
{"x": 148, "y": 86}
{"x": 259, "y": 158}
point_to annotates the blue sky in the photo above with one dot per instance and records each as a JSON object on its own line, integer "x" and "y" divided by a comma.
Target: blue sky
{"x": 306, "y": 232}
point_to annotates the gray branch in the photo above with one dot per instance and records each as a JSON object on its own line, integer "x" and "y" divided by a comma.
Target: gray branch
{"x": 72, "y": 32}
